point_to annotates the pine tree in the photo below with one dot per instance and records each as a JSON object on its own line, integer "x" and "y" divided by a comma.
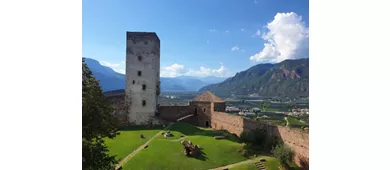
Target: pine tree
{"x": 98, "y": 124}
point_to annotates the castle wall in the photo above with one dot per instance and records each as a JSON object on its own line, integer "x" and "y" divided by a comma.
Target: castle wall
{"x": 172, "y": 113}
{"x": 119, "y": 108}
{"x": 296, "y": 139}
{"x": 229, "y": 122}
{"x": 203, "y": 112}
{"x": 219, "y": 107}
{"x": 142, "y": 76}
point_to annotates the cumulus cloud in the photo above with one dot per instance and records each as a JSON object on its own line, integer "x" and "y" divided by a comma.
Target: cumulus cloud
{"x": 175, "y": 70}
{"x": 203, "y": 71}
{"x": 112, "y": 65}
{"x": 235, "y": 48}
{"x": 172, "y": 70}
{"x": 117, "y": 67}
{"x": 287, "y": 38}
{"x": 122, "y": 71}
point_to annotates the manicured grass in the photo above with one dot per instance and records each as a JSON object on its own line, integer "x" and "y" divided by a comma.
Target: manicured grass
{"x": 270, "y": 164}
{"x": 295, "y": 123}
{"x": 249, "y": 166}
{"x": 129, "y": 140}
{"x": 167, "y": 153}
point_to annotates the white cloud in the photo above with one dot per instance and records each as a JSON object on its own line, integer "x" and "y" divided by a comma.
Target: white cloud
{"x": 227, "y": 31}
{"x": 242, "y": 29}
{"x": 287, "y": 38}
{"x": 175, "y": 70}
{"x": 207, "y": 41}
{"x": 172, "y": 70}
{"x": 235, "y": 48}
{"x": 257, "y": 33}
{"x": 222, "y": 71}
{"x": 213, "y": 30}
{"x": 119, "y": 68}
{"x": 122, "y": 71}
{"x": 123, "y": 62}
{"x": 105, "y": 63}
{"x": 174, "y": 67}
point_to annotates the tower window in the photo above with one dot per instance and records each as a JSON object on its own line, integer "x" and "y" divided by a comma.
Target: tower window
{"x": 139, "y": 58}
{"x": 204, "y": 110}
{"x": 143, "y": 102}
{"x": 139, "y": 73}
{"x": 144, "y": 87}
{"x": 133, "y": 81}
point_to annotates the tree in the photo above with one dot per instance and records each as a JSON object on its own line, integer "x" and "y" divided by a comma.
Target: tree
{"x": 98, "y": 124}
{"x": 264, "y": 106}
{"x": 284, "y": 153}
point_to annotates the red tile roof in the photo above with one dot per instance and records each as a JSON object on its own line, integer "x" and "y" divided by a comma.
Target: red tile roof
{"x": 208, "y": 97}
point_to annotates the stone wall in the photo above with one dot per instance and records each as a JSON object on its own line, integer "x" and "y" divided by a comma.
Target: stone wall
{"x": 172, "y": 113}
{"x": 142, "y": 76}
{"x": 119, "y": 108}
{"x": 296, "y": 139}
{"x": 203, "y": 111}
{"x": 229, "y": 122}
{"x": 219, "y": 107}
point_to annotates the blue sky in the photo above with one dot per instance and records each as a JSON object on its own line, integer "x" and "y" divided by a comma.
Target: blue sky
{"x": 199, "y": 37}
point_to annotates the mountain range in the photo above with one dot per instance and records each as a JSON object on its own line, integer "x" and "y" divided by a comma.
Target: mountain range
{"x": 287, "y": 78}
{"x": 111, "y": 80}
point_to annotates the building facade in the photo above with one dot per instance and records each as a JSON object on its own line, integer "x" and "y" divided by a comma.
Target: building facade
{"x": 142, "y": 77}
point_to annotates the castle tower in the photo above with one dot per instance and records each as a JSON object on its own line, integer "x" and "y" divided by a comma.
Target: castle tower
{"x": 142, "y": 76}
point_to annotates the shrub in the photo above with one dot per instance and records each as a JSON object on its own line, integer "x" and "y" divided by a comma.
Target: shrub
{"x": 284, "y": 153}
{"x": 259, "y": 140}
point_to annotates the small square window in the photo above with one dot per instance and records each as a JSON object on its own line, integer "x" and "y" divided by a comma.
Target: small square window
{"x": 139, "y": 73}
{"x": 144, "y": 87}
{"x": 139, "y": 58}
{"x": 143, "y": 102}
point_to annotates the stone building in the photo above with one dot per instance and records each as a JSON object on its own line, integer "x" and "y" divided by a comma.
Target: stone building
{"x": 204, "y": 105}
{"x": 142, "y": 77}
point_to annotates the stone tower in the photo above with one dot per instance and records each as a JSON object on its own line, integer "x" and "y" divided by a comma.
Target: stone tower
{"x": 142, "y": 77}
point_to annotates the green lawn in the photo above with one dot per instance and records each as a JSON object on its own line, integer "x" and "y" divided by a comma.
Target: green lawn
{"x": 278, "y": 109}
{"x": 129, "y": 140}
{"x": 270, "y": 164}
{"x": 249, "y": 166}
{"x": 296, "y": 123}
{"x": 167, "y": 153}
